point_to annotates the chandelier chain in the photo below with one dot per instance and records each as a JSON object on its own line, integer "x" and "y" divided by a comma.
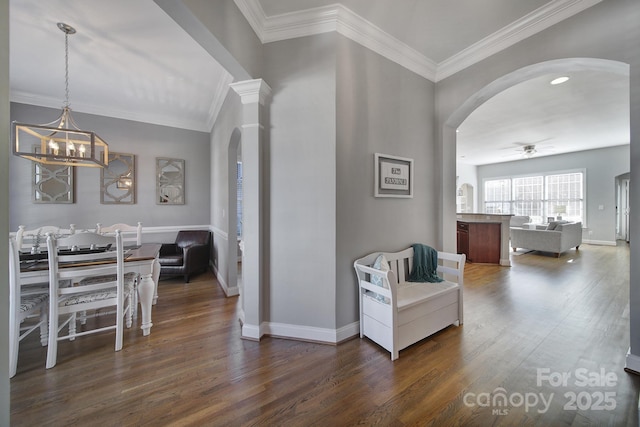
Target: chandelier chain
{"x": 66, "y": 70}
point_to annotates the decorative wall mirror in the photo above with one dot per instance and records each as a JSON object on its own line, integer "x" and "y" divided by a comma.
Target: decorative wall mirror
{"x": 118, "y": 184}
{"x": 52, "y": 183}
{"x": 169, "y": 181}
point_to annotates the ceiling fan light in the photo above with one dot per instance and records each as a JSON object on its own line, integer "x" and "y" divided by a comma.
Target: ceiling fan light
{"x": 559, "y": 80}
{"x": 529, "y": 150}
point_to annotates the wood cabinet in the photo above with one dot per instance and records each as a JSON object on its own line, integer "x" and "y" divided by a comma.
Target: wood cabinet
{"x": 479, "y": 241}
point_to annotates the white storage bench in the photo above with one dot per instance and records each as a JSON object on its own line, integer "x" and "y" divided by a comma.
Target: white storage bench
{"x": 400, "y": 313}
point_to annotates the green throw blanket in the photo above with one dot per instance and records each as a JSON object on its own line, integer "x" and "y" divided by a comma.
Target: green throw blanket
{"x": 425, "y": 263}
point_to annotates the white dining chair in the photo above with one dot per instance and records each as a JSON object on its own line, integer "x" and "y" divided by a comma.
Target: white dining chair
{"x": 96, "y": 285}
{"x": 36, "y": 236}
{"x": 24, "y": 303}
{"x": 128, "y": 239}
{"x": 126, "y": 230}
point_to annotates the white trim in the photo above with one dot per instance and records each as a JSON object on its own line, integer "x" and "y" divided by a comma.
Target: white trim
{"x": 348, "y": 331}
{"x": 527, "y": 26}
{"x": 632, "y": 362}
{"x": 218, "y": 99}
{"x": 252, "y": 332}
{"x": 101, "y": 110}
{"x": 218, "y": 232}
{"x": 228, "y": 291}
{"x": 601, "y": 243}
{"x": 172, "y": 228}
{"x": 368, "y": 35}
{"x": 338, "y": 18}
{"x": 252, "y": 91}
{"x": 310, "y": 333}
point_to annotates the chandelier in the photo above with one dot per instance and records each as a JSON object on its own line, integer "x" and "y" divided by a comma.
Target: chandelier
{"x": 60, "y": 142}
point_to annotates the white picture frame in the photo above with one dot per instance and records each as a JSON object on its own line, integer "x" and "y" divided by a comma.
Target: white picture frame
{"x": 393, "y": 176}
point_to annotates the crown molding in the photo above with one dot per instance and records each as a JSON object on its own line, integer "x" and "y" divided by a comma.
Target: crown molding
{"x": 533, "y": 23}
{"x": 101, "y": 110}
{"x": 334, "y": 18}
{"x": 218, "y": 100}
{"x": 368, "y": 35}
{"x": 341, "y": 19}
{"x": 252, "y": 91}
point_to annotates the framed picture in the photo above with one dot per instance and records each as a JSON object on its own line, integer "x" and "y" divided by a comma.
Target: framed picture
{"x": 52, "y": 183}
{"x": 117, "y": 181}
{"x": 393, "y": 176}
{"x": 169, "y": 181}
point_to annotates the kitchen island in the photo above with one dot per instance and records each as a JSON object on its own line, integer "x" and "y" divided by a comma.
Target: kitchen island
{"x": 484, "y": 238}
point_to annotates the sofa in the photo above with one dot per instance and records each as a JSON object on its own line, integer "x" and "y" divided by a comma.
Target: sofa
{"x": 559, "y": 237}
{"x": 189, "y": 254}
{"x": 519, "y": 220}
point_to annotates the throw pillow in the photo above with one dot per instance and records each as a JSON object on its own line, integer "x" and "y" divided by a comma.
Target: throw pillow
{"x": 380, "y": 263}
{"x": 553, "y": 225}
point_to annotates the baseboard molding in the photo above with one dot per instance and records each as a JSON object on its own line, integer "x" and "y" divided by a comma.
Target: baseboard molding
{"x": 228, "y": 291}
{"x": 600, "y": 242}
{"x": 632, "y": 363}
{"x": 312, "y": 334}
{"x": 252, "y": 332}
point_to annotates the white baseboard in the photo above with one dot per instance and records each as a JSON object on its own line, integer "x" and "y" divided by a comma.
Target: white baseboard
{"x": 349, "y": 331}
{"x": 600, "y": 242}
{"x": 228, "y": 291}
{"x": 252, "y": 332}
{"x": 232, "y": 291}
{"x": 310, "y": 333}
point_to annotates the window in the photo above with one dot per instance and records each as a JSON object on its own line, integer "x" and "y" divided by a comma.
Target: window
{"x": 540, "y": 196}
{"x": 528, "y": 196}
{"x": 239, "y": 199}
{"x": 497, "y": 196}
{"x": 565, "y": 196}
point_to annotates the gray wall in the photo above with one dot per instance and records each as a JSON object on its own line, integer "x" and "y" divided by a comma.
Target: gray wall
{"x": 602, "y": 167}
{"x": 302, "y": 180}
{"x": 5, "y": 386}
{"x": 608, "y": 30}
{"x": 225, "y": 21}
{"x": 384, "y": 108}
{"x": 147, "y": 142}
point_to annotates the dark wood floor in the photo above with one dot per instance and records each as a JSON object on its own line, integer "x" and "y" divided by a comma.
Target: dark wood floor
{"x": 566, "y": 315}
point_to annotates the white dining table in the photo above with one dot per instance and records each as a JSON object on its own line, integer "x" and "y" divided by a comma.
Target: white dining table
{"x": 142, "y": 260}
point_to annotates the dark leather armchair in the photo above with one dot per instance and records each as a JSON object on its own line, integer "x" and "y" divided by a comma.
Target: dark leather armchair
{"x": 188, "y": 255}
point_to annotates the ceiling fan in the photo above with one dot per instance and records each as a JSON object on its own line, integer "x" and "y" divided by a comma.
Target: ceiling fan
{"x": 528, "y": 150}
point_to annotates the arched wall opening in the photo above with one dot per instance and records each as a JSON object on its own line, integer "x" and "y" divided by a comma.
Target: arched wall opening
{"x": 234, "y": 157}
{"x": 499, "y": 85}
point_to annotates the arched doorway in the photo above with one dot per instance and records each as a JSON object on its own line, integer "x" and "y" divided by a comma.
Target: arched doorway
{"x": 499, "y": 85}
{"x": 234, "y": 209}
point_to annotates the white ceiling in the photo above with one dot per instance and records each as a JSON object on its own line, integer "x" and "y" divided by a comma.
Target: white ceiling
{"x": 435, "y": 28}
{"x": 589, "y": 111}
{"x": 130, "y": 60}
